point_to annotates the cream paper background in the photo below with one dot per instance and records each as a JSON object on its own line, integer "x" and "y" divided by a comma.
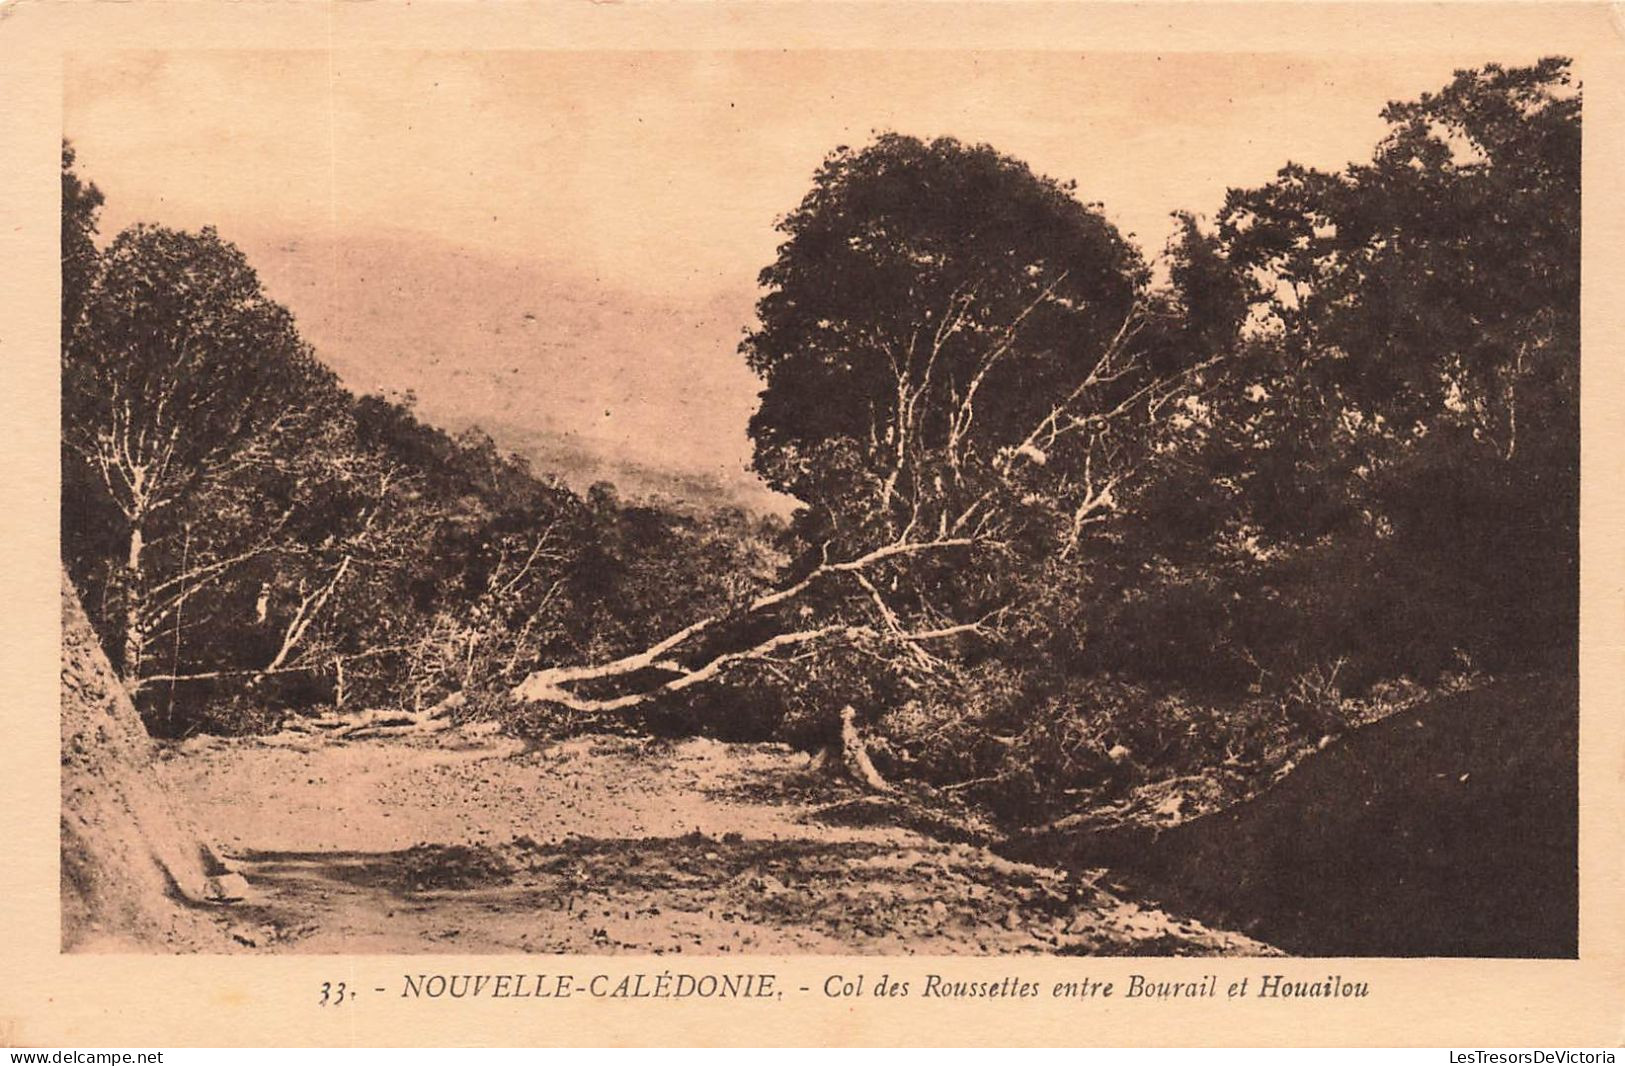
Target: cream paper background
{"x": 51, "y": 1000}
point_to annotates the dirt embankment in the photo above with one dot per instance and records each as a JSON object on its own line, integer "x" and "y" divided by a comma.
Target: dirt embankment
{"x": 472, "y": 844}
{"x": 136, "y": 873}
{"x": 1449, "y": 829}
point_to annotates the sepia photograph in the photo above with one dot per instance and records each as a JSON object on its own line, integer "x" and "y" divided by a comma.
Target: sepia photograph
{"x": 780, "y": 502}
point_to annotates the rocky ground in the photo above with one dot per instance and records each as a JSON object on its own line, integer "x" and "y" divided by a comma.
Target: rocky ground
{"x": 468, "y": 842}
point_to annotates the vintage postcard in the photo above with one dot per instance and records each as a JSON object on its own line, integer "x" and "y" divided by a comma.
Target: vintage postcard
{"x": 813, "y": 523}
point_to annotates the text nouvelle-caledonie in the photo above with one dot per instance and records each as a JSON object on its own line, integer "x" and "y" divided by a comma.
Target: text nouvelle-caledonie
{"x": 670, "y": 984}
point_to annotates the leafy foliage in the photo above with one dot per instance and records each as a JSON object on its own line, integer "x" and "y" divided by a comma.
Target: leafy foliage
{"x": 1421, "y": 325}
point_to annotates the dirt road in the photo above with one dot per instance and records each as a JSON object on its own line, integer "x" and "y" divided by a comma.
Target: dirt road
{"x": 476, "y": 844}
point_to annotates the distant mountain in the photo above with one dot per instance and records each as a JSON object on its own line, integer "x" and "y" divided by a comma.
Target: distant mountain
{"x": 587, "y": 382}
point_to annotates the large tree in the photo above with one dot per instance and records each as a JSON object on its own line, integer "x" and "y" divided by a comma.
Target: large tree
{"x": 1422, "y": 311}
{"x": 965, "y": 370}
{"x": 178, "y": 375}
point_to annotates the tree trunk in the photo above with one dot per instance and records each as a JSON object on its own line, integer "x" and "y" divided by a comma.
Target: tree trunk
{"x": 135, "y": 641}
{"x": 848, "y": 759}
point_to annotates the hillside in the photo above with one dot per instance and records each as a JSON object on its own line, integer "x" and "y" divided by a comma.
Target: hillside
{"x": 586, "y": 381}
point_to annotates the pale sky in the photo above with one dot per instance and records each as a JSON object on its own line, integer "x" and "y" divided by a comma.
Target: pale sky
{"x": 563, "y": 246}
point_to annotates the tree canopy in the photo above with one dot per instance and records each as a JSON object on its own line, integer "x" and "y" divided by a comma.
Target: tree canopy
{"x": 911, "y": 264}
{"x": 1421, "y": 318}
